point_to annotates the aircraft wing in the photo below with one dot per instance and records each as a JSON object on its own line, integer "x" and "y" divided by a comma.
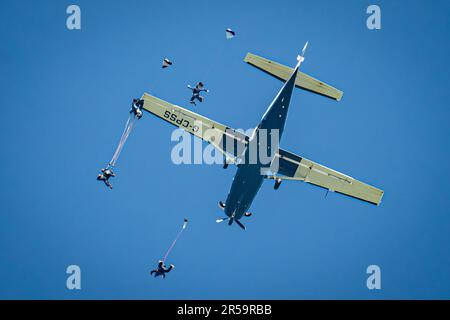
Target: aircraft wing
{"x": 206, "y": 129}
{"x": 294, "y": 167}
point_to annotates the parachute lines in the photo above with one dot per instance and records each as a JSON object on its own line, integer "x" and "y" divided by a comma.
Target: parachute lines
{"x": 123, "y": 139}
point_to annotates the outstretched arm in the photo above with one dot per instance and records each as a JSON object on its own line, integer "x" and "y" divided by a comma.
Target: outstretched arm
{"x": 168, "y": 269}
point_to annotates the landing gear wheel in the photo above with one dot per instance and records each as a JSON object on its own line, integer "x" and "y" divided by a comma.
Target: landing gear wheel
{"x": 221, "y": 205}
{"x": 277, "y": 184}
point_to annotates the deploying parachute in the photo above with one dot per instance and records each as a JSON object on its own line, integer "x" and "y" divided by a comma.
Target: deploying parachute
{"x": 230, "y": 33}
{"x": 126, "y": 133}
{"x": 162, "y": 269}
{"x": 175, "y": 240}
{"x": 135, "y": 115}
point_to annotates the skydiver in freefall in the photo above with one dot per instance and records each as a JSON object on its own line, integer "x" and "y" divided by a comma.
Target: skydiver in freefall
{"x": 105, "y": 175}
{"x": 196, "y": 93}
{"x": 161, "y": 270}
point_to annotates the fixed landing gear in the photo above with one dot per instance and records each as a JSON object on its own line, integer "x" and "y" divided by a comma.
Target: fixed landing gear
{"x": 277, "y": 183}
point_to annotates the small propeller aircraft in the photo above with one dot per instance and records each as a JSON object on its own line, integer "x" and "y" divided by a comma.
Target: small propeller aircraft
{"x": 250, "y": 176}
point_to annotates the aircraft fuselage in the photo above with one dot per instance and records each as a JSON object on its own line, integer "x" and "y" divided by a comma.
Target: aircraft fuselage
{"x": 249, "y": 176}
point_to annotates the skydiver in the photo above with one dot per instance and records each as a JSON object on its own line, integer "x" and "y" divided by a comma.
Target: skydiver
{"x": 105, "y": 175}
{"x": 136, "y": 107}
{"x": 166, "y": 63}
{"x": 161, "y": 270}
{"x": 196, "y": 93}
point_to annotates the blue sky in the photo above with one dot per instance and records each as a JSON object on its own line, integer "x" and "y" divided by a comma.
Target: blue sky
{"x": 65, "y": 96}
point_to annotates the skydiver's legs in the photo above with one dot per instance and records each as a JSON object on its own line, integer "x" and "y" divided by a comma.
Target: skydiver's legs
{"x": 196, "y": 96}
{"x": 192, "y": 100}
{"x": 108, "y": 184}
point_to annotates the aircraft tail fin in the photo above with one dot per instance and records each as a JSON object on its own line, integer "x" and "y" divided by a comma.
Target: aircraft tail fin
{"x": 301, "y": 58}
{"x": 302, "y": 81}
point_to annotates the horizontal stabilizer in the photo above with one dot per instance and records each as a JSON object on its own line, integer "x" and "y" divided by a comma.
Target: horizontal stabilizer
{"x": 303, "y": 81}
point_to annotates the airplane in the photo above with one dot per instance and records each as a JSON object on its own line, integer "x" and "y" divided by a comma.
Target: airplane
{"x": 250, "y": 176}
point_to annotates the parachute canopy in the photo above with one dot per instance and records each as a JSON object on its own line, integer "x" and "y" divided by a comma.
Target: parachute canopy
{"x": 166, "y": 63}
{"x": 230, "y": 33}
